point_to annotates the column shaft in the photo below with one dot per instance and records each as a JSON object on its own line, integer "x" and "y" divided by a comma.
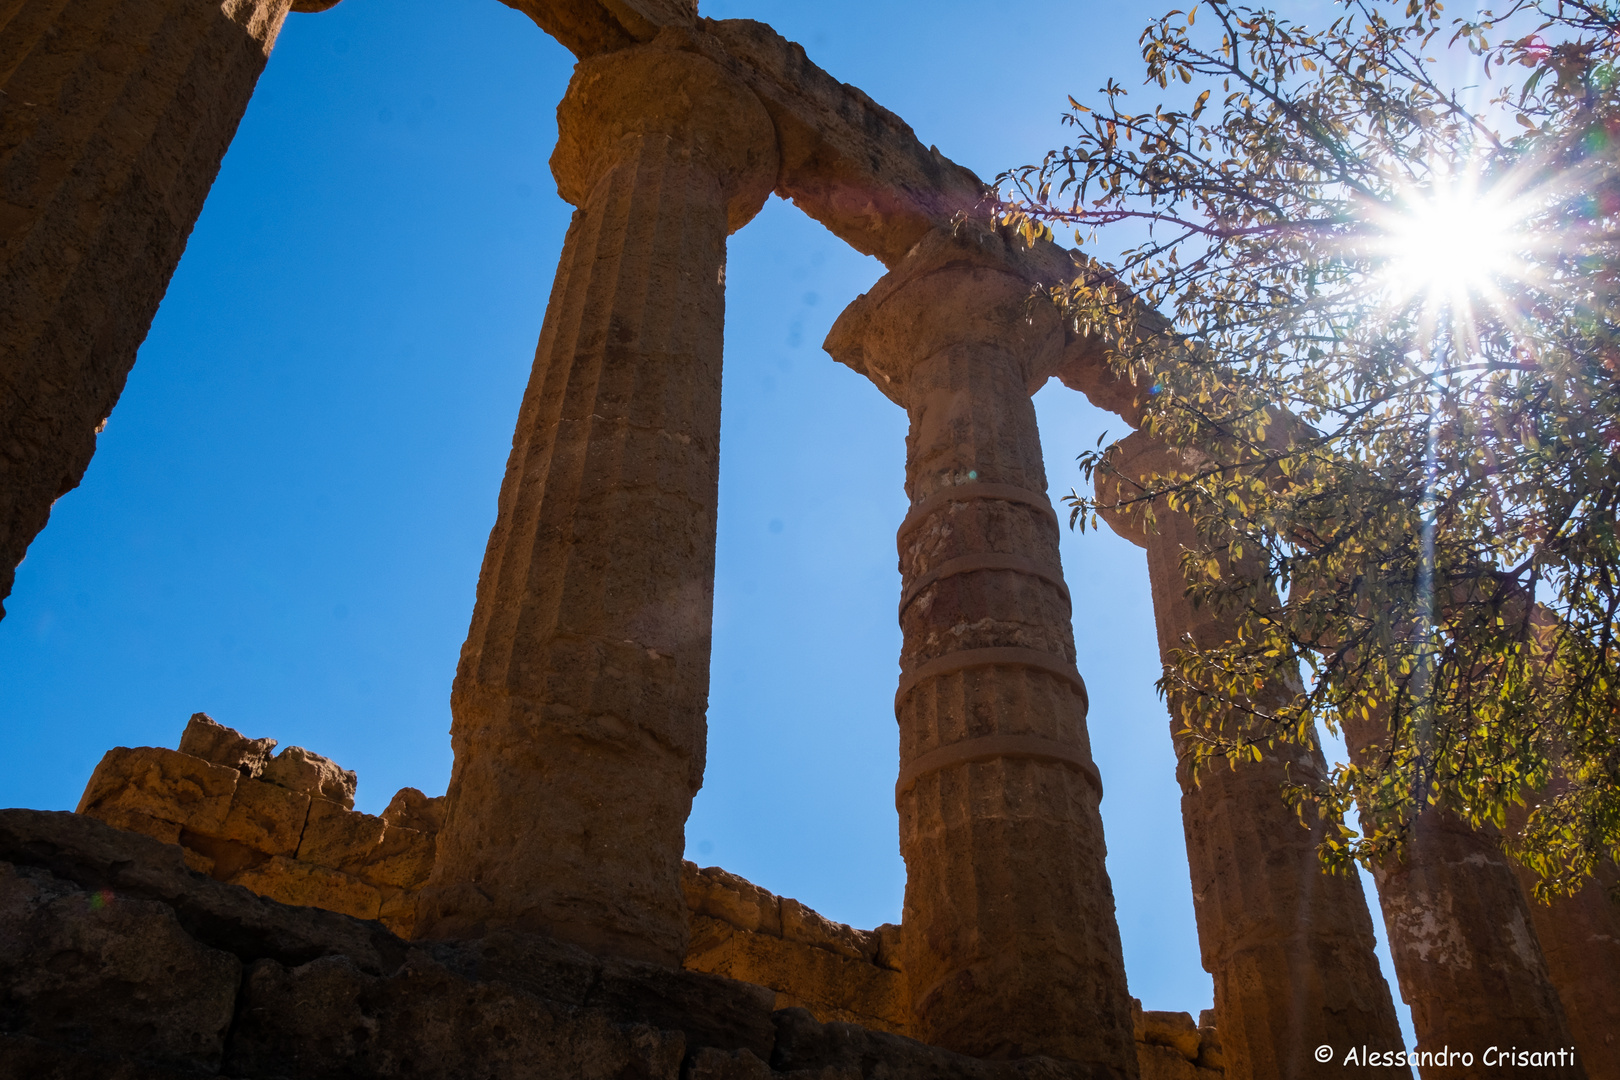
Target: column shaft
{"x": 1580, "y": 940}
{"x": 580, "y": 697}
{"x": 114, "y": 118}
{"x": 1290, "y": 947}
{"x": 1011, "y": 944}
{"x": 1461, "y": 937}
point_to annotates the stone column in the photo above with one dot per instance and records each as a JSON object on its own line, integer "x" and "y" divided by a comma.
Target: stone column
{"x": 1011, "y": 946}
{"x": 1290, "y": 948}
{"x": 579, "y": 701}
{"x": 1464, "y": 948}
{"x": 114, "y": 117}
{"x": 1580, "y": 939}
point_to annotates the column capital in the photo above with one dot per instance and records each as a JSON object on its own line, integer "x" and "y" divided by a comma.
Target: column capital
{"x": 967, "y": 285}
{"x": 664, "y": 89}
{"x": 1128, "y": 464}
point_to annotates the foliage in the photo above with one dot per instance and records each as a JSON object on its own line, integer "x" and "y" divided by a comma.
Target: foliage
{"x": 1407, "y": 487}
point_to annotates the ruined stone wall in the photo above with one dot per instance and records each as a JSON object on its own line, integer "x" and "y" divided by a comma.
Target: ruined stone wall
{"x": 283, "y": 827}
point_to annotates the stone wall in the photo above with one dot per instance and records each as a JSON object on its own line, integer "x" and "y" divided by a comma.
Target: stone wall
{"x": 283, "y": 826}
{"x": 118, "y": 960}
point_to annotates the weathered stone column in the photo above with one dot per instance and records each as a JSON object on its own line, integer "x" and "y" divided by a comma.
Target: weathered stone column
{"x": 579, "y": 701}
{"x": 1011, "y": 946}
{"x": 1290, "y": 948}
{"x": 114, "y": 117}
{"x": 1464, "y": 948}
{"x": 1580, "y": 940}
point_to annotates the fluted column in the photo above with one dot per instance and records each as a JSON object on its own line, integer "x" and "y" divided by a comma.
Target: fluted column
{"x": 114, "y": 117}
{"x": 579, "y": 703}
{"x": 1290, "y": 948}
{"x": 1011, "y": 943}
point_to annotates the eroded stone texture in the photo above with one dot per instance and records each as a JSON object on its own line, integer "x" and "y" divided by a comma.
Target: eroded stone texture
{"x": 114, "y": 117}
{"x": 210, "y": 740}
{"x": 1460, "y": 935}
{"x": 1011, "y": 947}
{"x": 743, "y": 932}
{"x": 297, "y": 769}
{"x": 1290, "y": 948}
{"x": 1580, "y": 940}
{"x": 410, "y": 809}
{"x": 579, "y": 701}
{"x": 266, "y": 837}
{"x": 159, "y": 785}
{"x": 94, "y": 970}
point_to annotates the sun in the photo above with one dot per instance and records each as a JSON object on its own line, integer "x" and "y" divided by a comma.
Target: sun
{"x": 1451, "y": 246}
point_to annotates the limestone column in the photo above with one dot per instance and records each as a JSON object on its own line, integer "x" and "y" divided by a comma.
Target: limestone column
{"x": 579, "y": 703}
{"x": 1290, "y": 948}
{"x": 1011, "y": 943}
{"x": 1580, "y": 939}
{"x": 1464, "y": 947}
{"x": 114, "y": 117}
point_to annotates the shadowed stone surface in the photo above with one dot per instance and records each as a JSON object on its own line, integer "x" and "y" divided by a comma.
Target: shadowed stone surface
{"x": 1011, "y": 947}
{"x": 1465, "y": 953}
{"x": 160, "y": 972}
{"x": 114, "y": 117}
{"x": 579, "y": 701}
{"x": 1580, "y": 941}
{"x": 1290, "y": 948}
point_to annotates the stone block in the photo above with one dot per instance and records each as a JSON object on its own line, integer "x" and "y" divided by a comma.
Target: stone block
{"x": 1158, "y": 1062}
{"x": 321, "y": 777}
{"x": 1173, "y": 1029}
{"x": 145, "y": 824}
{"x": 326, "y": 1018}
{"x": 808, "y": 927}
{"x": 210, "y": 740}
{"x": 1210, "y": 1055}
{"x": 403, "y": 858}
{"x": 305, "y": 885}
{"x": 266, "y": 817}
{"x": 889, "y": 942}
{"x": 397, "y": 911}
{"x": 96, "y": 856}
{"x": 162, "y": 784}
{"x": 410, "y": 809}
{"x": 339, "y": 838}
{"x": 104, "y": 972}
{"x": 731, "y": 899}
{"x": 832, "y": 986}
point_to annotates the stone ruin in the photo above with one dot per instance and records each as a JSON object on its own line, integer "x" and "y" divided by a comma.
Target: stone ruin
{"x": 216, "y": 910}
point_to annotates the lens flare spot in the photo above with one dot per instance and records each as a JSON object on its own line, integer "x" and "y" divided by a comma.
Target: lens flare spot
{"x": 1449, "y": 245}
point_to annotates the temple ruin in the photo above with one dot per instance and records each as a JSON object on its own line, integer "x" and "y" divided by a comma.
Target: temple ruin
{"x": 221, "y": 909}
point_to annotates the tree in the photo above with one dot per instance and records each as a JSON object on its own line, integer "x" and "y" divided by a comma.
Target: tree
{"x": 1386, "y": 250}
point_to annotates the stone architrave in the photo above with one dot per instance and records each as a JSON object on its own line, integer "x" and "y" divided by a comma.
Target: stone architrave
{"x": 1290, "y": 948}
{"x": 114, "y": 117}
{"x": 579, "y": 703}
{"x": 1011, "y": 945}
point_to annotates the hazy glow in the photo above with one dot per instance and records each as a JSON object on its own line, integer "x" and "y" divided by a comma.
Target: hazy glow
{"x": 1451, "y": 246}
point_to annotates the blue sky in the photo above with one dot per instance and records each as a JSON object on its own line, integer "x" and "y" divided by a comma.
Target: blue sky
{"x": 284, "y": 520}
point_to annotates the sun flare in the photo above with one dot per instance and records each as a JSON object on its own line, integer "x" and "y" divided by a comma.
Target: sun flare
{"x": 1452, "y": 246}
